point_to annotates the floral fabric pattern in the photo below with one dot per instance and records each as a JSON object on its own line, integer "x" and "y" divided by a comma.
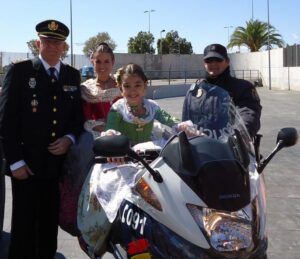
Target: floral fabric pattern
{"x": 91, "y": 218}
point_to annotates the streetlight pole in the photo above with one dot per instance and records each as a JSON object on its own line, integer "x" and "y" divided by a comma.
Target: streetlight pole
{"x": 252, "y": 11}
{"x": 269, "y": 53}
{"x": 160, "y": 47}
{"x": 228, "y": 27}
{"x": 71, "y": 29}
{"x": 149, "y": 12}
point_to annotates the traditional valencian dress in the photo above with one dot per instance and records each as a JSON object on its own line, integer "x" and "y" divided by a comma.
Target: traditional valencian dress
{"x": 137, "y": 129}
{"x": 97, "y": 103}
{"x": 92, "y": 220}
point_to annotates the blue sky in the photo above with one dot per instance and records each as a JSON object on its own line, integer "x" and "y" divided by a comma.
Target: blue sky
{"x": 200, "y": 22}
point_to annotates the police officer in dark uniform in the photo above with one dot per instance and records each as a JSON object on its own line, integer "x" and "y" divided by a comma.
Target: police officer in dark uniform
{"x": 40, "y": 118}
{"x": 243, "y": 93}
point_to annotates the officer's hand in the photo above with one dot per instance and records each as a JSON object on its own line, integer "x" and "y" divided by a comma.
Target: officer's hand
{"x": 22, "y": 173}
{"x": 60, "y": 146}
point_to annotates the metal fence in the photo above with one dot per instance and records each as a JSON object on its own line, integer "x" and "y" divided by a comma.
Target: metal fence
{"x": 177, "y": 77}
{"x": 186, "y": 77}
{"x": 291, "y": 56}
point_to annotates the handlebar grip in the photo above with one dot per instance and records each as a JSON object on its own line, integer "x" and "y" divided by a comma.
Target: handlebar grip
{"x": 103, "y": 160}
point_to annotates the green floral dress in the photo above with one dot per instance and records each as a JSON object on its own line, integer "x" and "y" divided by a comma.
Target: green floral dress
{"x": 137, "y": 129}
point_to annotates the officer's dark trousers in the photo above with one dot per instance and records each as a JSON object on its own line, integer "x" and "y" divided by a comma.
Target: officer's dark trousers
{"x": 34, "y": 218}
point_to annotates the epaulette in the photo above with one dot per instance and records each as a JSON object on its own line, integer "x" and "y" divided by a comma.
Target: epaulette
{"x": 192, "y": 87}
{"x": 196, "y": 84}
{"x": 70, "y": 67}
{"x": 18, "y": 61}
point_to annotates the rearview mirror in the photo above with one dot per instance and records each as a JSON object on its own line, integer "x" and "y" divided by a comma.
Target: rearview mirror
{"x": 287, "y": 137}
{"x": 119, "y": 146}
{"x": 112, "y": 146}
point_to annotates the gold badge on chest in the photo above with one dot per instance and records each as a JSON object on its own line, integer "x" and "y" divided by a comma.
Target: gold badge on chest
{"x": 140, "y": 123}
{"x": 34, "y": 105}
{"x": 199, "y": 93}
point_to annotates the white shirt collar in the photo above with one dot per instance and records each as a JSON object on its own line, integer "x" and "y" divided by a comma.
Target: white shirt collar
{"x": 47, "y": 66}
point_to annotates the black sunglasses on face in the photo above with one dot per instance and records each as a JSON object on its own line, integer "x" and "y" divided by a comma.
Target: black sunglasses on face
{"x": 211, "y": 60}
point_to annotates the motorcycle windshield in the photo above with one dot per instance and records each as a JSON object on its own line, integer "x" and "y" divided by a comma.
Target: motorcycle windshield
{"x": 214, "y": 165}
{"x": 216, "y": 116}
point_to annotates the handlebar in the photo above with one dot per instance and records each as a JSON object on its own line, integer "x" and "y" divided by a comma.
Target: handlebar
{"x": 148, "y": 156}
{"x": 103, "y": 160}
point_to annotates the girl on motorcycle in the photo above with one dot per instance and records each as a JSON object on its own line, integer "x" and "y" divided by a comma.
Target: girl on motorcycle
{"x": 133, "y": 116}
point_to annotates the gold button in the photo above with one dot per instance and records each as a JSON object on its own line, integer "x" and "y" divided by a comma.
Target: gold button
{"x": 54, "y": 97}
{"x": 54, "y": 109}
{"x": 54, "y": 122}
{"x": 53, "y": 134}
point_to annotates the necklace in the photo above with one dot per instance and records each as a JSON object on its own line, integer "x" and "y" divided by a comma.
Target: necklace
{"x": 137, "y": 112}
{"x": 104, "y": 84}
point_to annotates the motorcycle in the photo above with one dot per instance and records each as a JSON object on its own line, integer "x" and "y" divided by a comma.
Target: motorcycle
{"x": 198, "y": 197}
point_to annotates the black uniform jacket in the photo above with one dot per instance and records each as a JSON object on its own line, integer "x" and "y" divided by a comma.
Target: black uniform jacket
{"x": 244, "y": 96}
{"x": 34, "y": 112}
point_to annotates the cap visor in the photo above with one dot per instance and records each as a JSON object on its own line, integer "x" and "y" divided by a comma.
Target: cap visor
{"x": 212, "y": 54}
{"x": 52, "y": 37}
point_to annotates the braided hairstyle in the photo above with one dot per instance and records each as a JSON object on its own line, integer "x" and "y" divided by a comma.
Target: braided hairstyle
{"x": 103, "y": 47}
{"x": 129, "y": 69}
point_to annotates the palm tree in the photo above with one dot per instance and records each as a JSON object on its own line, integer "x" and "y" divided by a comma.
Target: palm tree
{"x": 255, "y": 36}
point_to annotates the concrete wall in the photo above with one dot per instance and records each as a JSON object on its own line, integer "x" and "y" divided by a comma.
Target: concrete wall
{"x": 283, "y": 78}
{"x": 190, "y": 66}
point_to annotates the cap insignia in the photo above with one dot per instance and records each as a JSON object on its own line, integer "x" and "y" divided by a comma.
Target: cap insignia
{"x": 53, "y": 26}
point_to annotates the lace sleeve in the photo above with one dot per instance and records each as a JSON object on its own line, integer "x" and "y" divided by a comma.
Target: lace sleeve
{"x": 90, "y": 124}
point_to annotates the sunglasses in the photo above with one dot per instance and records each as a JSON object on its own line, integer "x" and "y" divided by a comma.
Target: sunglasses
{"x": 211, "y": 60}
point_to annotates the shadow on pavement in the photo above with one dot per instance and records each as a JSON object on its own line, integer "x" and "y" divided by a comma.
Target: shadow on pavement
{"x": 59, "y": 256}
{"x": 4, "y": 242}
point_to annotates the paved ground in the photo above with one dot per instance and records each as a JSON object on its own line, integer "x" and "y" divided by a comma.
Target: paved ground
{"x": 280, "y": 109}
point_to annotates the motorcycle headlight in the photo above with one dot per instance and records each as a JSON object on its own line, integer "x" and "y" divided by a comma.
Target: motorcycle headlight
{"x": 226, "y": 231}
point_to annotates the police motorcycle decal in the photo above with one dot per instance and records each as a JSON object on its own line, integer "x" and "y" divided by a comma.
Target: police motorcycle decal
{"x": 132, "y": 218}
{"x": 144, "y": 236}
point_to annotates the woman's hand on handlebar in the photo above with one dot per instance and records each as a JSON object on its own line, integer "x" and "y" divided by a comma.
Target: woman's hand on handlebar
{"x": 189, "y": 128}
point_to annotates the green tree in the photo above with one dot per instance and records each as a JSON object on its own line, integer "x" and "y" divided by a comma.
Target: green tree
{"x": 33, "y": 48}
{"x": 172, "y": 43}
{"x": 92, "y": 43}
{"x": 141, "y": 43}
{"x": 35, "y": 51}
{"x": 255, "y": 36}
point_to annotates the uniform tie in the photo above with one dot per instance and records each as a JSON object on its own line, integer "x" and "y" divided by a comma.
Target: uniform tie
{"x": 53, "y": 77}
